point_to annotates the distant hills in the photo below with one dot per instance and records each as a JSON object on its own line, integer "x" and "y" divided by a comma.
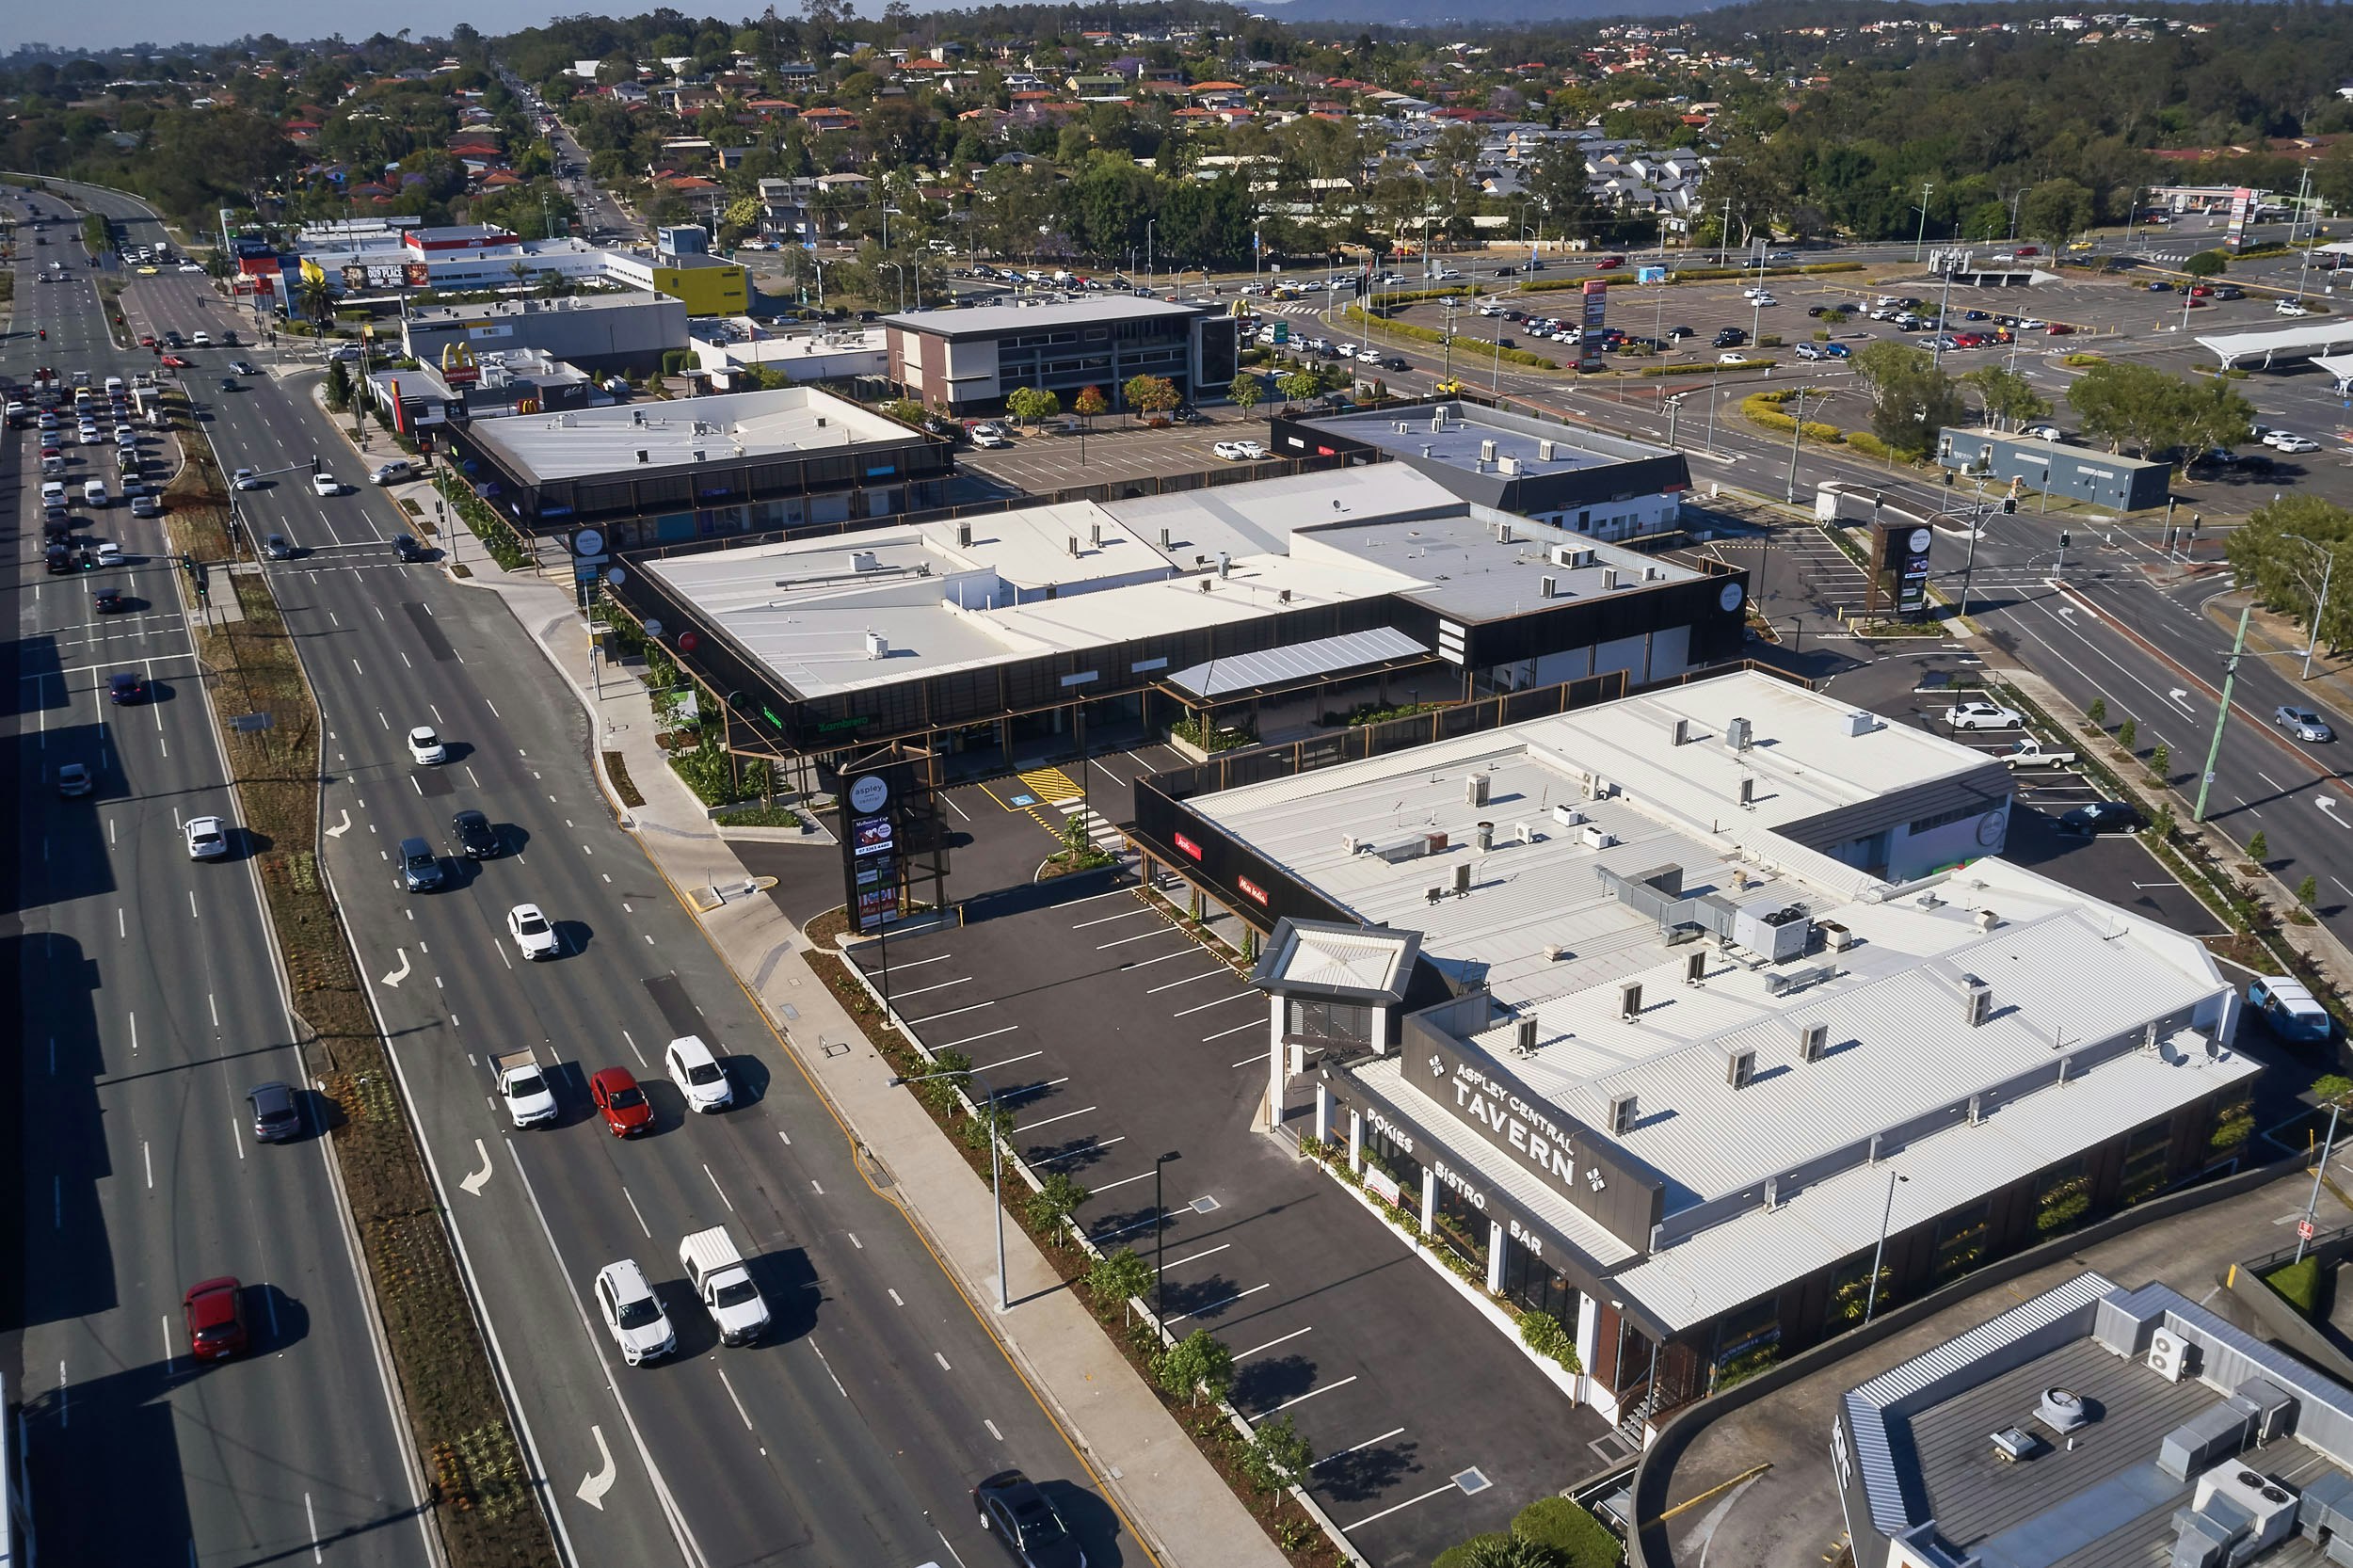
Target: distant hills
{"x": 1469, "y": 13}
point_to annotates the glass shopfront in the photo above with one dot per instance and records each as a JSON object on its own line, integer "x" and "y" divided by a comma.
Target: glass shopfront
{"x": 1528, "y": 1280}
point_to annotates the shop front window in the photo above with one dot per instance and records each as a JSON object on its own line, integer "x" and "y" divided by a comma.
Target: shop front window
{"x": 1327, "y": 1022}
{"x": 1387, "y": 1166}
{"x": 1747, "y": 1343}
{"x": 2145, "y": 1159}
{"x": 1850, "y": 1291}
{"x": 1528, "y": 1280}
{"x": 1959, "y": 1242}
{"x": 1461, "y": 1225}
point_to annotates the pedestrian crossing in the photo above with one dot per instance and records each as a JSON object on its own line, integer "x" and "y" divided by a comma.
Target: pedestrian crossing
{"x": 1099, "y": 831}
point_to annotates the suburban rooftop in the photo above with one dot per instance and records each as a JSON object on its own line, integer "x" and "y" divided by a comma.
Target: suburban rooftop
{"x": 591, "y": 442}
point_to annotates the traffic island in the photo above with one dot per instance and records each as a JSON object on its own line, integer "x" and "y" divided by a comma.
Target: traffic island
{"x": 481, "y": 1493}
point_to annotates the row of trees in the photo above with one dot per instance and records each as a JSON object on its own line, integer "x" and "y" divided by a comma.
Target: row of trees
{"x": 2286, "y": 550}
{"x": 2125, "y": 405}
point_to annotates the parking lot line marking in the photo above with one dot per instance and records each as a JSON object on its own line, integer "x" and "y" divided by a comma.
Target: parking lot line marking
{"x": 943, "y": 1362}
{"x": 1091, "y": 1146}
{"x": 992, "y": 1430}
{"x": 1036, "y": 1088}
{"x": 1049, "y": 1121}
{"x": 1070, "y": 903}
{"x": 1308, "y": 1395}
{"x": 1123, "y": 1181}
{"x": 1146, "y": 963}
{"x": 953, "y": 807}
{"x": 1141, "y": 936}
{"x": 1219, "y": 1002}
{"x": 1187, "y": 981}
{"x": 990, "y": 1035}
{"x": 1124, "y": 915}
{"x": 1196, "y": 1258}
{"x": 917, "y": 962}
{"x": 941, "y": 986}
{"x": 1393, "y": 1431}
{"x": 1222, "y": 1032}
{"x": 1114, "y": 1234}
{"x": 1098, "y": 761}
{"x": 1272, "y": 1343}
{"x": 952, "y": 1012}
{"x": 992, "y": 1066}
{"x": 1350, "y": 1530}
{"x": 1227, "y": 1301}
{"x": 1245, "y": 1061}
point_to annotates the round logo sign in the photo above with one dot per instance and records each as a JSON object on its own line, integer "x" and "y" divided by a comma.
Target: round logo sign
{"x": 1919, "y": 541}
{"x": 1730, "y": 598}
{"x": 868, "y": 793}
{"x": 588, "y": 541}
{"x": 616, "y": 576}
{"x": 1990, "y": 830}
{"x": 686, "y": 642}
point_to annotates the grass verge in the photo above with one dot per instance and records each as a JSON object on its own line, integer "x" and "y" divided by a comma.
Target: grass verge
{"x": 482, "y": 1496}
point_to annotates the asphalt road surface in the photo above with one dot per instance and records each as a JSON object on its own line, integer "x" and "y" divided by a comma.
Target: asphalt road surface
{"x": 146, "y": 1004}
{"x": 853, "y": 1433}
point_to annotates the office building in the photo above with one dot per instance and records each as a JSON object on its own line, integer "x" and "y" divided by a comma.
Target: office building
{"x": 2054, "y": 467}
{"x": 609, "y": 333}
{"x": 965, "y": 361}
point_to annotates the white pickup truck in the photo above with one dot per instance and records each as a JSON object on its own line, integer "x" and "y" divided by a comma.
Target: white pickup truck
{"x": 2031, "y": 753}
{"x": 525, "y": 1087}
{"x": 724, "y": 1285}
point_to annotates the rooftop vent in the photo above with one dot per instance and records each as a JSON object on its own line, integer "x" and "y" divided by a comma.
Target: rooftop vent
{"x": 1205, "y": 585}
{"x": 1679, "y": 732}
{"x": 1630, "y": 1000}
{"x": 1813, "y": 1041}
{"x": 877, "y": 646}
{"x": 1074, "y": 544}
{"x": 1095, "y": 536}
{"x": 1977, "y": 1001}
{"x": 1461, "y": 879}
{"x": 1545, "y": 451}
{"x": 1623, "y": 1113}
{"x": 1523, "y": 1036}
{"x": 1747, "y": 792}
{"x": 1224, "y": 564}
{"x": 1861, "y": 722}
{"x": 1695, "y": 967}
{"x": 1486, "y": 451}
{"x": 2061, "y": 1410}
{"x": 1987, "y": 919}
{"x": 964, "y": 535}
{"x": 1164, "y": 540}
{"x": 1483, "y": 835}
{"x": 1608, "y": 578}
{"x": 1475, "y": 788}
{"x": 1739, "y": 734}
{"x": 1283, "y": 597}
{"x": 644, "y": 456}
{"x": 864, "y": 560}
{"x": 1740, "y": 1067}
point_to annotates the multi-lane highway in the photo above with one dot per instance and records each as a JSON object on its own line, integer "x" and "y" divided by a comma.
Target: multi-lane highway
{"x": 146, "y": 1005}
{"x": 853, "y": 1435}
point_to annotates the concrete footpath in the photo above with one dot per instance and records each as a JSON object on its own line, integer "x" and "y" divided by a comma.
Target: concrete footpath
{"x": 1166, "y": 1491}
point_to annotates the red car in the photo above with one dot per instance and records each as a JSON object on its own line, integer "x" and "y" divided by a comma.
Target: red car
{"x": 173, "y": 362}
{"x": 620, "y": 1102}
{"x": 2201, "y": 290}
{"x": 146, "y": 340}
{"x": 2059, "y": 330}
{"x": 1609, "y": 264}
{"x": 214, "y": 1311}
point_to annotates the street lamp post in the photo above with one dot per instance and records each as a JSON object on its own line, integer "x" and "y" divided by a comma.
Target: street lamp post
{"x": 1920, "y": 244}
{"x": 1149, "y": 224}
{"x": 2311, "y": 1204}
{"x": 1159, "y": 1235}
{"x": 1796, "y": 431}
{"x": 1674, "y": 406}
{"x": 996, "y": 1172}
{"x": 2320, "y": 601}
{"x": 1871, "y": 1304}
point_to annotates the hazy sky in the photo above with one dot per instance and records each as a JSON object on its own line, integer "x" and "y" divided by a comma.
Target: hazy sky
{"x": 168, "y": 22}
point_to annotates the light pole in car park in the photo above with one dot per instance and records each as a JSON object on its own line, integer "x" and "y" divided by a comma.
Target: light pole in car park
{"x": 995, "y": 1170}
{"x": 1160, "y": 1236}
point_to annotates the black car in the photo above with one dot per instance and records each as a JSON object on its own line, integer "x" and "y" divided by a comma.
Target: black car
{"x": 277, "y": 1113}
{"x": 1013, "y": 1511}
{"x": 1816, "y": 310}
{"x": 475, "y": 839}
{"x": 2229, "y": 291}
{"x": 57, "y": 559}
{"x": 1676, "y": 335}
{"x": 227, "y": 384}
{"x": 2102, "y": 816}
{"x": 108, "y": 601}
{"x": 1730, "y": 337}
{"x": 405, "y": 547}
{"x": 126, "y": 687}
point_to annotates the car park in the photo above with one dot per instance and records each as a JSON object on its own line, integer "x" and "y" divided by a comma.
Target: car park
{"x": 614, "y": 1093}
{"x": 697, "y": 1074}
{"x": 633, "y": 1313}
{"x": 2302, "y": 723}
{"x": 1984, "y": 715}
{"x": 213, "y": 1312}
{"x": 277, "y": 1113}
{"x": 535, "y": 935}
{"x": 206, "y": 839}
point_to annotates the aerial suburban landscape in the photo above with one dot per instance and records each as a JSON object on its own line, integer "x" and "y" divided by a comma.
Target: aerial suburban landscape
{"x": 1162, "y": 787}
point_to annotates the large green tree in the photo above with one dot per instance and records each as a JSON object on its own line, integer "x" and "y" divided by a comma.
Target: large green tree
{"x": 1911, "y": 398}
{"x": 2008, "y": 398}
{"x": 2284, "y": 552}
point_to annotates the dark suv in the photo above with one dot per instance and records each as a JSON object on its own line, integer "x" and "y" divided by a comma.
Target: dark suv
{"x": 475, "y": 839}
{"x": 405, "y": 547}
{"x": 1730, "y": 337}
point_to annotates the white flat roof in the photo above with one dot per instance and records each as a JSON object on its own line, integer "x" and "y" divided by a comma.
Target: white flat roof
{"x": 590, "y": 442}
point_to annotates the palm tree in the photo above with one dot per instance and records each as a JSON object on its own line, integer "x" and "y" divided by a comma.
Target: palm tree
{"x": 316, "y": 298}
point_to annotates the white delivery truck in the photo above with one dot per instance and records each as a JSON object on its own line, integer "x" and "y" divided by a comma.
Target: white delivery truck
{"x": 525, "y": 1087}
{"x": 723, "y": 1284}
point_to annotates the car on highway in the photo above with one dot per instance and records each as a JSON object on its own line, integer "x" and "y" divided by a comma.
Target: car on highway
{"x": 420, "y": 867}
{"x": 73, "y": 779}
{"x": 214, "y": 1311}
{"x": 173, "y": 362}
{"x": 619, "y": 1099}
{"x": 207, "y": 840}
{"x": 697, "y": 1074}
{"x": 108, "y": 601}
{"x": 633, "y": 1313}
{"x": 1014, "y": 1510}
{"x": 126, "y": 687}
{"x": 108, "y": 553}
{"x": 246, "y": 479}
{"x": 202, "y": 340}
{"x": 1984, "y": 715}
{"x": 227, "y": 383}
{"x": 326, "y": 484}
{"x": 188, "y": 266}
{"x": 278, "y": 548}
{"x": 406, "y": 548}
{"x": 534, "y": 937}
{"x": 277, "y": 1113}
{"x": 475, "y": 839}
{"x": 241, "y": 367}
{"x": 425, "y": 748}
{"x": 2302, "y": 723}
{"x": 2102, "y": 816}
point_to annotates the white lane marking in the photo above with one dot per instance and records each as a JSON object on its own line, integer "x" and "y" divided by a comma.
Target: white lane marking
{"x": 342, "y": 827}
{"x": 170, "y": 1349}
{"x": 598, "y": 1482}
{"x": 236, "y": 1136}
{"x": 1095, "y": 1147}
{"x": 943, "y": 1362}
{"x": 895, "y": 1300}
{"x": 474, "y": 1183}
{"x": 401, "y": 973}
{"x": 721, "y": 1191}
{"x": 635, "y": 1051}
{"x": 1008, "y": 1061}
{"x": 147, "y": 1159}
{"x": 1308, "y": 1395}
{"x": 313, "y": 1514}
{"x": 740, "y": 1411}
{"x": 992, "y": 1429}
{"x": 1140, "y": 937}
{"x": 853, "y": 1240}
{"x": 641, "y": 1218}
{"x": 1123, "y": 1181}
{"x": 920, "y": 990}
{"x": 192, "y": 914}
{"x": 828, "y": 1366}
{"x": 1122, "y": 915}
{"x": 951, "y": 1012}
{"x": 65, "y": 1407}
{"x": 1272, "y": 1343}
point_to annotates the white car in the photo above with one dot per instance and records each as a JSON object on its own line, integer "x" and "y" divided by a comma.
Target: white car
{"x": 1733, "y": 356}
{"x": 206, "y": 841}
{"x": 2043, "y": 433}
{"x": 1230, "y": 451}
{"x": 532, "y": 931}
{"x": 2031, "y": 324}
{"x": 1764, "y": 296}
{"x": 632, "y": 1312}
{"x": 89, "y": 434}
{"x": 1984, "y": 715}
{"x": 246, "y": 479}
{"x": 426, "y": 747}
{"x": 2288, "y": 441}
{"x": 202, "y": 340}
{"x": 988, "y": 438}
{"x": 2290, "y": 308}
{"x": 697, "y": 1074}
{"x": 326, "y": 484}
{"x": 1807, "y": 351}
{"x": 190, "y": 266}
{"x": 109, "y": 554}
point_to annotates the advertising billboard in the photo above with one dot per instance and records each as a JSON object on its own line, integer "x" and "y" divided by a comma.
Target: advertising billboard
{"x": 373, "y": 275}
{"x": 1899, "y": 568}
{"x": 2242, "y": 203}
{"x": 1596, "y": 309}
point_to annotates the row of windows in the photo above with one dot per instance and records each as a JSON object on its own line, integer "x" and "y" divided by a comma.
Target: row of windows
{"x": 1944, "y": 819}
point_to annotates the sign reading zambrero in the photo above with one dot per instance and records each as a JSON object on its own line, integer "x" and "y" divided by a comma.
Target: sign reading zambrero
{"x": 1572, "y": 1160}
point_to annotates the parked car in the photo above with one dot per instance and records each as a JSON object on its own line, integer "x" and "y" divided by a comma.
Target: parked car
{"x": 2102, "y": 816}
{"x": 2302, "y": 723}
{"x": 2290, "y": 1009}
{"x": 1984, "y": 715}
{"x": 1807, "y": 351}
{"x": 2043, "y": 433}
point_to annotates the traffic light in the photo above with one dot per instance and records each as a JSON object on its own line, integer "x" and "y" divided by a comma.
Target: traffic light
{"x": 2009, "y": 504}
{"x": 2066, "y": 539}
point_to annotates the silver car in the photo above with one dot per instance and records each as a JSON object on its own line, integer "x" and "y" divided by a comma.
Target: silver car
{"x": 2302, "y": 723}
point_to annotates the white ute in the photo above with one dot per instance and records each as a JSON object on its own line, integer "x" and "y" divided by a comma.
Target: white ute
{"x": 525, "y": 1087}
{"x": 724, "y": 1285}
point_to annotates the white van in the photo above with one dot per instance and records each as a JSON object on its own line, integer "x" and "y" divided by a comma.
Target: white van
{"x": 53, "y": 496}
{"x": 94, "y": 493}
{"x": 113, "y": 386}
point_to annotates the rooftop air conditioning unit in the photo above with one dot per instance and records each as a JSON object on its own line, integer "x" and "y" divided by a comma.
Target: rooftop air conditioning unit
{"x": 1547, "y": 587}
{"x": 2169, "y": 1356}
{"x": 1695, "y": 967}
{"x": 1475, "y": 788}
{"x": 964, "y": 535}
{"x": 1740, "y": 1067}
{"x": 1224, "y": 564}
{"x": 1594, "y": 836}
{"x": 1608, "y": 578}
{"x": 1568, "y": 816}
{"x": 1503, "y": 532}
{"x": 1564, "y": 555}
{"x": 1978, "y": 1005}
{"x": 1349, "y": 844}
{"x": 1629, "y": 1001}
{"x": 1623, "y": 1113}
{"x": 1747, "y": 792}
{"x": 1461, "y": 880}
{"x": 1861, "y": 722}
{"x": 1545, "y": 451}
{"x": 1524, "y": 832}
{"x": 1739, "y": 734}
{"x": 1523, "y": 1036}
{"x": 877, "y": 646}
{"x": 644, "y": 456}
{"x": 1813, "y": 1041}
{"x": 1486, "y": 451}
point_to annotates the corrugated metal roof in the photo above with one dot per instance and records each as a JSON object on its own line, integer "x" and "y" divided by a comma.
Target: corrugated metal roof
{"x": 1245, "y": 672}
{"x": 1359, "y": 961}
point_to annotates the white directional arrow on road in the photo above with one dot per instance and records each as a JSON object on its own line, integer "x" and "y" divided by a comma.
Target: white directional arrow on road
{"x": 2330, "y": 807}
{"x": 474, "y": 1183}
{"x": 402, "y": 973}
{"x": 342, "y": 827}
{"x": 593, "y": 1488}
